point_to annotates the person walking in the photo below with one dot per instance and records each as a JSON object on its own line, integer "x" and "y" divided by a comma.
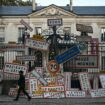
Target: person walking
{"x": 21, "y": 84}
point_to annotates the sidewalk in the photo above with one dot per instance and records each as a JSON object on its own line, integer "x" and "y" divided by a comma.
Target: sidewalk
{"x": 6, "y": 100}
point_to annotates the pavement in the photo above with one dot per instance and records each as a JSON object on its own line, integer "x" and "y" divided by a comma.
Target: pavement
{"x": 7, "y": 100}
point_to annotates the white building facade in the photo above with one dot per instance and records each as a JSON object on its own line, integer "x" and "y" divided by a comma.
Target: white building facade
{"x": 36, "y": 16}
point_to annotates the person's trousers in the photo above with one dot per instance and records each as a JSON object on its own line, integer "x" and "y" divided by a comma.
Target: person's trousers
{"x": 22, "y": 89}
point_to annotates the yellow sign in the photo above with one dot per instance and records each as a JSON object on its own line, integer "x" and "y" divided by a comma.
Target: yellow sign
{"x": 12, "y": 42}
{"x": 16, "y": 62}
{"x": 38, "y": 37}
{"x": 102, "y": 71}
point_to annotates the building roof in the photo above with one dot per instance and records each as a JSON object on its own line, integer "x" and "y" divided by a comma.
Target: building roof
{"x": 26, "y": 10}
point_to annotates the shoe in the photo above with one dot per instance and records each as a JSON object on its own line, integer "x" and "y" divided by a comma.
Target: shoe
{"x": 29, "y": 98}
{"x": 15, "y": 99}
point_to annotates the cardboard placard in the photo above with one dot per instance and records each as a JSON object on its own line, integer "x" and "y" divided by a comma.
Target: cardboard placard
{"x": 14, "y": 68}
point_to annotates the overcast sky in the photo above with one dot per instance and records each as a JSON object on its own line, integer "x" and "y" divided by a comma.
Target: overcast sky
{"x": 75, "y": 2}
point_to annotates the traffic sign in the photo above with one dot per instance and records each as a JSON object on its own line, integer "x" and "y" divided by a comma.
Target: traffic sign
{"x": 53, "y": 67}
{"x": 26, "y": 25}
{"x": 26, "y": 58}
{"x": 39, "y": 77}
{"x": 84, "y": 28}
{"x": 40, "y": 45}
{"x": 69, "y": 54}
{"x": 54, "y": 22}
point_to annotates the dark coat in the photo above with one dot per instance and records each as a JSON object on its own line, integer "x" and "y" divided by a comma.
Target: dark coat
{"x": 21, "y": 81}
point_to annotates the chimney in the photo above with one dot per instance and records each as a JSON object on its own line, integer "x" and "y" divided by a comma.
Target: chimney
{"x": 33, "y": 5}
{"x": 71, "y": 5}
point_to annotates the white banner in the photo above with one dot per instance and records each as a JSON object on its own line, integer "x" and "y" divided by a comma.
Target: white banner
{"x": 14, "y": 68}
{"x": 40, "y": 45}
{"x": 75, "y": 94}
{"x": 84, "y": 81}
